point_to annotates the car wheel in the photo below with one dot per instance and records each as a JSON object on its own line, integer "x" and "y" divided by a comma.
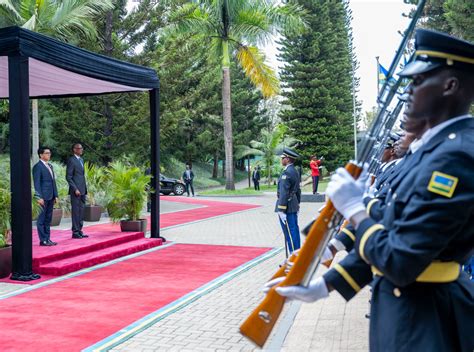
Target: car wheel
{"x": 179, "y": 189}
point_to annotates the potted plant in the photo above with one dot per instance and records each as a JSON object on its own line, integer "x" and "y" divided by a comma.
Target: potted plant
{"x": 63, "y": 205}
{"x": 5, "y": 240}
{"x": 5, "y": 226}
{"x": 128, "y": 190}
{"x": 97, "y": 186}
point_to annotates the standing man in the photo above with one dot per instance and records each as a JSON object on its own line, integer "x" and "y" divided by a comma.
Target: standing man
{"x": 289, "y": 196}
{"x": 46, "y": 193}
{"x": 77, "y": 189}
{"x": 421, "y": 299}
{"x": 315, "y": 164}
{"x": 256, "y": 178}
{"x": 188, "y": 177}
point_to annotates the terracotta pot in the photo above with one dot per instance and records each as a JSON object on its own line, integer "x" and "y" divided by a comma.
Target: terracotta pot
{"x": 5, "y": 261}
{"x": 92, "y": 212}
{"x": 57, "y": 216}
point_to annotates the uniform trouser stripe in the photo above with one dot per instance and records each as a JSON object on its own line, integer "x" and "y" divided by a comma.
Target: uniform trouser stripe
{"x": 347, "y": 277}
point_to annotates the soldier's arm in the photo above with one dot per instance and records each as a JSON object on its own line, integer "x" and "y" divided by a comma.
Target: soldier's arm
{"x": 430, "y": 219}
{"x": 349, "y": 276}
{"x": 284, "y": 193}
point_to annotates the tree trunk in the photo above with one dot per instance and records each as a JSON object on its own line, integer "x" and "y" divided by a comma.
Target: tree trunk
{"x": 248, "y": 167}
{"x": 108, "y": 50}
{"x": 223, "y": 168}
{"x": 34, "y": 131}
{"x": 228, "y": 147}
{"x": 215, "y": 166}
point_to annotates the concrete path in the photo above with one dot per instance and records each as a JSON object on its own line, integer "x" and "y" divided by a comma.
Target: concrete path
{"x": 211, "y": 322}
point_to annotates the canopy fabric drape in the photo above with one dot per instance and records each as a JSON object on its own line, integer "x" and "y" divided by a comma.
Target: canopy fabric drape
{"x": 33, "y": 65}
{"x": 59, "y": 69}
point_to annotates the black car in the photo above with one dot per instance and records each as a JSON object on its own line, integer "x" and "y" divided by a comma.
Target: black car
{"x": 171, "y": 185}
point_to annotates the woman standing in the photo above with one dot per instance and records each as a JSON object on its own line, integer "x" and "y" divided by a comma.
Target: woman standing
{"x": 315, "y": 164}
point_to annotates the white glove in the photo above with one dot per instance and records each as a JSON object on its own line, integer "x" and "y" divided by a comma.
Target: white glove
{"x": 327, "y": 255}
{"x": 337, "y": 244}
{"x": 282, "y": 216}
{"x": 346, "y": 193}
{"x": 316, "y": 289}
{"x": 369, "y": 187}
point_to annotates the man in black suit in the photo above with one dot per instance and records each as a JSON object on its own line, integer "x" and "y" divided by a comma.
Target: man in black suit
{"x": 77, "y": 189}
{"x": 256, "y": 178}
{"x": 46, "y": 193}
{"x": 188, "y": 177}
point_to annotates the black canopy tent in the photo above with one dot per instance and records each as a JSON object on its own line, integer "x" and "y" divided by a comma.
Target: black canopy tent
{"x": 36, "y": 66}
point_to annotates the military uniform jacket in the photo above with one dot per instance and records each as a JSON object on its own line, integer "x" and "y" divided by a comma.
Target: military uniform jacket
{"x": 428, "y": 218}
{"x": 289, "y": 192}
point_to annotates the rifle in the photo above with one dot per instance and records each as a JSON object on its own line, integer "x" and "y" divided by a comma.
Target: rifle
{"x": 258, "y": 326}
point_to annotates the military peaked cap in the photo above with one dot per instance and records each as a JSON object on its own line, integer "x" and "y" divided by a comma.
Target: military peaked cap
{"x": 436, "y": 49}
{"x": 392, "y": 138}
{"x": 289, "y": 153}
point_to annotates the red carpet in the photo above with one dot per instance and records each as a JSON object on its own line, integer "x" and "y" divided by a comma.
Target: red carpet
{"x": 75, "y": 313}
{"x": 209, "y": 209}
{"x": 107, "y": 242}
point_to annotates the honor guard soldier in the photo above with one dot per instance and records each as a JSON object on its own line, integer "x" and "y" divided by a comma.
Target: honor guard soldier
{"x": 289, "y": 197}
{"x": 421, "y": 300}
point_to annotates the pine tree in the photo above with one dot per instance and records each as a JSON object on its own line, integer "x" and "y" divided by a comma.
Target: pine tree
{"x": 317, "y": 78}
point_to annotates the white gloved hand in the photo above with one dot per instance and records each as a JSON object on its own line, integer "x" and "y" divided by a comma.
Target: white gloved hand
{"x": 337, "y": 244}
{"x": 316, "y": 289}
{"x": 346, "y": 193}
{"x": 369, "y": 187}
{"x": 282, "y": 216}
{"x": 327, "y": 255}
{"x": 272, "y": 283}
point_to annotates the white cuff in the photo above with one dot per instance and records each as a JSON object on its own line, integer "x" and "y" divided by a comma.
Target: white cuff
{"x": 337, "y": 244}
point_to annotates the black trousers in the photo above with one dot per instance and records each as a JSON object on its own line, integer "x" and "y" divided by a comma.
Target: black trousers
{"x": 315, "y": 184}
{"x": 189, "y": 184}
{"x": 43, "y": 224}
{"x": 256, "y": 184}
{"x": 77, "y": 212}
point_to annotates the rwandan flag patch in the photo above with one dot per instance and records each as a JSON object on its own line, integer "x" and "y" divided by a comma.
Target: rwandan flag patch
{"x": 442, "y": 184}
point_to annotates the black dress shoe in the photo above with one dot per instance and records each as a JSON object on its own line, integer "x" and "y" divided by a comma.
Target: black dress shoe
{"x": 52, "y": 243}
{"x": 77, "y": 235}
{"x": 84, "y": 235}
{"x": 45, "y": 243}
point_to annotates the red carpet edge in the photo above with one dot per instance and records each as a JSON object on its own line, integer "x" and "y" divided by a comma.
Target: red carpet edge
{"x": 152, "y": 318}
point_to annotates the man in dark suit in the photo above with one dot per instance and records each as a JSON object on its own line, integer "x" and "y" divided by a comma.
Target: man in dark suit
{"x": 77, "y": 189}
{"x": 188, "y": 177}
{"x": 46, "y": 193}
{"x": 256, "y": 178}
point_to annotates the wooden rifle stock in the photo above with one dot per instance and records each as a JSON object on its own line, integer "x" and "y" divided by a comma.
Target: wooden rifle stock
{"x": 258, "y": 326}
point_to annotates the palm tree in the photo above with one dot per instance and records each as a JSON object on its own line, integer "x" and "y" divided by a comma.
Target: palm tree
{"x": 272, "y": 141}
{"x": 237, "y": 27}
{"x": 67, "y": 20}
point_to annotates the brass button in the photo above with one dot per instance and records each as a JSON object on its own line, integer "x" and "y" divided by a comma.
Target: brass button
{"x": 397, "y": 292}
{"x": 452, "y": 136}
{"x": 394, "y": 196}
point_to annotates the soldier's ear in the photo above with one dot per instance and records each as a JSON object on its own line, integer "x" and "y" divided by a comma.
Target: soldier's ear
{"x": 451, "y": 86}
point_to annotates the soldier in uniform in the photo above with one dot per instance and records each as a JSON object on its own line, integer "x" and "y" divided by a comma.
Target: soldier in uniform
{"x": 289, "y": 196}
{"x": 421, "y": 299}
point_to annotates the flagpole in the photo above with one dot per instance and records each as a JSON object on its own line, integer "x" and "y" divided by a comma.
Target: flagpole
{"x": 378, "y": 76}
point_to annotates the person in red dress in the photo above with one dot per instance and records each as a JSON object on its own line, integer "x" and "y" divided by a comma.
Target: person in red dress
{"x": 315, "y": 164}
